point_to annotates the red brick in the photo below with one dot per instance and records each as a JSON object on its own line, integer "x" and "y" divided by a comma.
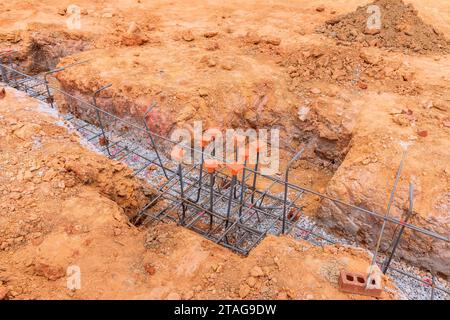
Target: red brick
{"x": 352, "y": 282}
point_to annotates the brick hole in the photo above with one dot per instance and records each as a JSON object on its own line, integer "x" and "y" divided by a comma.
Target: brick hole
{"x": 373, "y": 281}
{"x": 360, "y": 280}
{"x": 349, "y": 277}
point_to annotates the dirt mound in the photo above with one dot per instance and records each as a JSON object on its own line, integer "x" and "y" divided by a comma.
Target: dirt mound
{"x": 38, "y": 168}
{"x": 401, "y": 28}
{"x": 360, "y": 68}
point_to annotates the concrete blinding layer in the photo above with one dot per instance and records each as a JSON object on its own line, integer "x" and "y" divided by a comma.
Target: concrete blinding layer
{"x": 203, "y": 197}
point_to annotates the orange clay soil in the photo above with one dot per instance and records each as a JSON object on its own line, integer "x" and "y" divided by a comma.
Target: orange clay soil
{"x": 276, "y": 64}
{"x": 64, "y": 205}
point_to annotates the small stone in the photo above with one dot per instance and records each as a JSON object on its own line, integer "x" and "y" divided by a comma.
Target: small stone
{"x": 362, "y": 85}
{"x": 227, "y": 65}
{"x": 133, "y": 28}
{"x": 315, "y": 90}
{"x": 275, "y": 41}
{"x": 107, "y": 15}
{"x": 210, "y": 34}
{"x": 149, "y": 269}
{"x": 50, "y": 272}
{"x": 188, "y": 36}
{"x": 428, "y": 104}
{"x": 401, "y": 120}
{"x": 210, "y": 62}
{"x": 372, "y": 58}
{"x": 251, "y": 281}
{"x": 253, "y": 37}
{"x": 212, "y": 46}
{"x": 37, "y": 241}
{"x": 408, "y": 112}
{"x": 62, "y": 11}
{"x": 422, "y": 133}
{"x": 303, "y": 113}
{"x": 320, "y": 9}
{"x": 257, "y": 272}
{"x": 28, "y": 263}
{"x": 28, "y": 175}
{"x": 244, "y": 290}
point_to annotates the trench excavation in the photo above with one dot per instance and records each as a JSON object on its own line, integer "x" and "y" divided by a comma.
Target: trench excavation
{"x": 227, "y": 209}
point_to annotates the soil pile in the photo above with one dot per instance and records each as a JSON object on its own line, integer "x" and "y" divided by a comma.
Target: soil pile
{"x": 401, "y": 28}
{"x": 347, "y": 66}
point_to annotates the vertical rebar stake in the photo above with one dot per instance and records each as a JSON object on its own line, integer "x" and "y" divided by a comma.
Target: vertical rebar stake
{"x": 388, "y": 260}
{"x": 50, "y": 97}
{"x": 286, "y": 187}
{"x": 254, "y": 177}
{"x": 211, "y": 166}
{"x": 97, "y": 110}
{"x": 211, "y": 198}
{"x": 233, "y": 182}
{"x": 153, "y": 141}
{"x": 183, "y": 207}
{"x": 388, "y": 210}
{"x": 241, "y": 199}
{"x": 200, "y": 178}
{"x": 177, "y": 155}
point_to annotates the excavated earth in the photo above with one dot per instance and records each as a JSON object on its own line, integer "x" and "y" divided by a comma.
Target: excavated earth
{"x": 63, "y": 205}
{"x": 353, "y": 99}
{"x": 402, "y": 29}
